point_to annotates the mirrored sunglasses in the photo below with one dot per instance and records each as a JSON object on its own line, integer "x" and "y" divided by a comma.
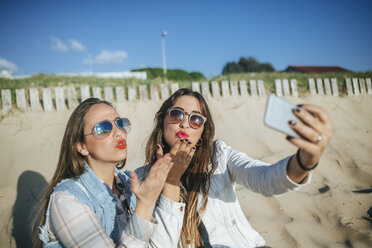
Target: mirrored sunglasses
{"x": 196, "y": 121}
{"x": 103, "y": 129}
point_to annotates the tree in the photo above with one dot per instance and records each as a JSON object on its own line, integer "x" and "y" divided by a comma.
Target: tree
{"x": 249, "y": 64}
{"x": 232, "y": 67}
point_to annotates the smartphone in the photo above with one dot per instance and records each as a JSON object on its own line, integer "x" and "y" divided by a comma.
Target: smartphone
{"x": 278, "y": 113}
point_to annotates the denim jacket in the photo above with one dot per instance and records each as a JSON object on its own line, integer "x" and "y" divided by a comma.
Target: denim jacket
{"x": 89, "y": 190}
{"x": 224, "y": 223}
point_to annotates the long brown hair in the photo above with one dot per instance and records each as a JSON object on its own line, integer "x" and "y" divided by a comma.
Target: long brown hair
{"x": 70, "y": 162}
{"x": 196, "y": 178}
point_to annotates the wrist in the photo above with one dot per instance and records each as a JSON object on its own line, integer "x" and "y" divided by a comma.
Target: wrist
{"x": 173, "y": 181}
{"x": 172, "y": 191}
{"x": 145, "y": 203}
{"x": 301, "y": 164}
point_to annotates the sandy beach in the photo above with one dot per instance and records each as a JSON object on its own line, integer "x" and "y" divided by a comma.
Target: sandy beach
{"x": 334, "y": 211}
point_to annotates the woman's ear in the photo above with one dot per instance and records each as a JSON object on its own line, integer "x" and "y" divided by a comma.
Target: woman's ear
{"x": 80, "y": 147}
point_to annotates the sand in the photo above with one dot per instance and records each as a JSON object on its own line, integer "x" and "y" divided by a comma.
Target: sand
{"x": 334, "y": 211}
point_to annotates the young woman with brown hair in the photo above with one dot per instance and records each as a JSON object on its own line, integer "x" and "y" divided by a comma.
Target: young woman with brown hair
{"x": 89, "y": 201}
{"x": 202, "y": 181}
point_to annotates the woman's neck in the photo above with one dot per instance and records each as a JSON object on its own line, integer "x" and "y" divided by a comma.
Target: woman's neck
{"x": 104, "y": 171}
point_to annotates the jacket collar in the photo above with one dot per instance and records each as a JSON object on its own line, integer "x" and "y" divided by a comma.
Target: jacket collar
{"x": 95, "y": 186}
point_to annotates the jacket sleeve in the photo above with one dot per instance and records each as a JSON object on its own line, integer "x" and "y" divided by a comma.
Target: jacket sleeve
{"x": 169, "y": 215}
{"x": 260, "y": 177}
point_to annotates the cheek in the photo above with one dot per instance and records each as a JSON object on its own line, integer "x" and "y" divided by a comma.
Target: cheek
{"x": 195, "y": 136}
{"x": 169, "y": 134}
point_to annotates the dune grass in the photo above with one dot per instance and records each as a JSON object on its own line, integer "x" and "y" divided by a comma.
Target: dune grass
{"x": 50, "y": 80}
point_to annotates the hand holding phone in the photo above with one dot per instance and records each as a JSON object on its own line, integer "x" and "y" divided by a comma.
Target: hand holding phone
{"x": 278, "y": 113}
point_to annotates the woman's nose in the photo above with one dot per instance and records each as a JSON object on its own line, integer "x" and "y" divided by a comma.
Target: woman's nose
{"x": 185, "y": 122}
{"x": 119, "y": 132}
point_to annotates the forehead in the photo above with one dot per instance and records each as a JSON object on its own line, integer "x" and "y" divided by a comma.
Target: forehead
{"x": 188, "y": 104}
{"x": 99, "y": 112}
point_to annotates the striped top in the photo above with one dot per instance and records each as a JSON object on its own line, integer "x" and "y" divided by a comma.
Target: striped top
{"x": 74, "y": 224}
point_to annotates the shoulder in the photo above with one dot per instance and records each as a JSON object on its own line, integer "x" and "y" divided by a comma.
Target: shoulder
{"x": 74, "y": 187}
{"x": 220, "y": 149}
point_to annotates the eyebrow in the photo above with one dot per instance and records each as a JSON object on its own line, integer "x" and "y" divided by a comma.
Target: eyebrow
{"x": 194, "y": 111}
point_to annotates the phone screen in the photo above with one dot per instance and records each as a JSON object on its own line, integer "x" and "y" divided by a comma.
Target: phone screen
{"x": 278, "y": 113}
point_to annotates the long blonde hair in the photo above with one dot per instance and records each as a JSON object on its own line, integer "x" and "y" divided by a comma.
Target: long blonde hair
{"x": 196, "y": 178}
{"x": 70, "y": 162}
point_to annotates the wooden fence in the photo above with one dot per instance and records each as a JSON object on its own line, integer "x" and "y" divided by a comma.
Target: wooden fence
{"x": 63, "y": 98}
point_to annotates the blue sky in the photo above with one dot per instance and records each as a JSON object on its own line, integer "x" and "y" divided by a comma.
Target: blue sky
{"x": 66, "y": 36}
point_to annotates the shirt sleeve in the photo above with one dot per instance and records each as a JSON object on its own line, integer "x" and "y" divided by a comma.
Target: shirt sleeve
{"x": 76, "y": 225}
{"x": 169, "y": 215}
{"x": 258, "y": 176}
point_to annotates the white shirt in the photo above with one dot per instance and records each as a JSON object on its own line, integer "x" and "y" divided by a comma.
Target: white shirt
{"x": 223, "y": 218}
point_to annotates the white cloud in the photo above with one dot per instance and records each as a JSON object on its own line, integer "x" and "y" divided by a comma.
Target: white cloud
{"x": 76, "y": 45}
{"x": 7, "y": 65}
{"x": 107, "y": 57}
{"x": 58, "y": 45}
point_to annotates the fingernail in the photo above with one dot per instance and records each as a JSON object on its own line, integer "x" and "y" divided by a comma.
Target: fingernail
{"x": 298, "y": 109}
{"x": 194, "y": 148}
{"x": 289, "y": 137}
{"x": 190, "y": 142}
{"x": 292, "y": 122}
{"x": 186, "y": 140}
{"x": 181, "y": 140}
{"x": 157, "y": 146}
{"x": 300, "y": 105}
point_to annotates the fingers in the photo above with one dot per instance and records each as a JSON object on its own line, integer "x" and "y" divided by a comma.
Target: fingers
{"x": 162, "y": 166}
{"x": 176, "y": 147}
{"x": 304, "y": 131}
{"x": 134, "y": 182}
{"x": 307, "y": 118}
{"x": 190, "y": 155}
{"x": 319, "y": 112}
{"x": 316, "y": 124}
{"x": 313, "y": 116}
{"x": 159, "y": 151}
{"x": 181, "y": 150}
{"x": 303, "y": 144}
{"x": 186, "y": 149}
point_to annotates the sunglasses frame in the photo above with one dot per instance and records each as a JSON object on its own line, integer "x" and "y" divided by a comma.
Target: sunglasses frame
{"x": 184, "y": 115}
{"x": 125, "y": 128}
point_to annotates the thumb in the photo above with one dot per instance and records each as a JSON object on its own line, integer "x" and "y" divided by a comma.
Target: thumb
{"x": 134, "y": 182}
{"x": 159, "y": 151}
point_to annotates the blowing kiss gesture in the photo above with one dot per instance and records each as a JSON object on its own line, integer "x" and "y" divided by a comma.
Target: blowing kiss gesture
{"x": 181, "y": 153}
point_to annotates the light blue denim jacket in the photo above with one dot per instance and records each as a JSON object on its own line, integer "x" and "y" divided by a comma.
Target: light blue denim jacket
{"x": 89, "y": 190}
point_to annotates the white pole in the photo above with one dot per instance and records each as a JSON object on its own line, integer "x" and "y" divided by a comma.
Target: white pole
{"x": 163, "y": 52}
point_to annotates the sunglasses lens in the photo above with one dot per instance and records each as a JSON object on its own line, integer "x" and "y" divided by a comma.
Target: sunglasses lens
{"x": 196, "y": 121}
{"x": 176, "y": 116}
{"x": 102, "y": 129}
{"x": 123, "y": 124}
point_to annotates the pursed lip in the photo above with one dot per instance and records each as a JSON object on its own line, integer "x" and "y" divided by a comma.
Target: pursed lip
{"x": 182, "y": 135}
{"x": 121, "y": 144}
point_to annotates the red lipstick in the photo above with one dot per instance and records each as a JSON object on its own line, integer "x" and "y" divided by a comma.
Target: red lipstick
{"x": 182, "y": 135}
{"x": 122, "y": 144}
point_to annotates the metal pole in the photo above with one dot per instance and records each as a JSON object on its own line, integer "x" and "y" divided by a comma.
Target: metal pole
{"x": 163, "y": 52}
